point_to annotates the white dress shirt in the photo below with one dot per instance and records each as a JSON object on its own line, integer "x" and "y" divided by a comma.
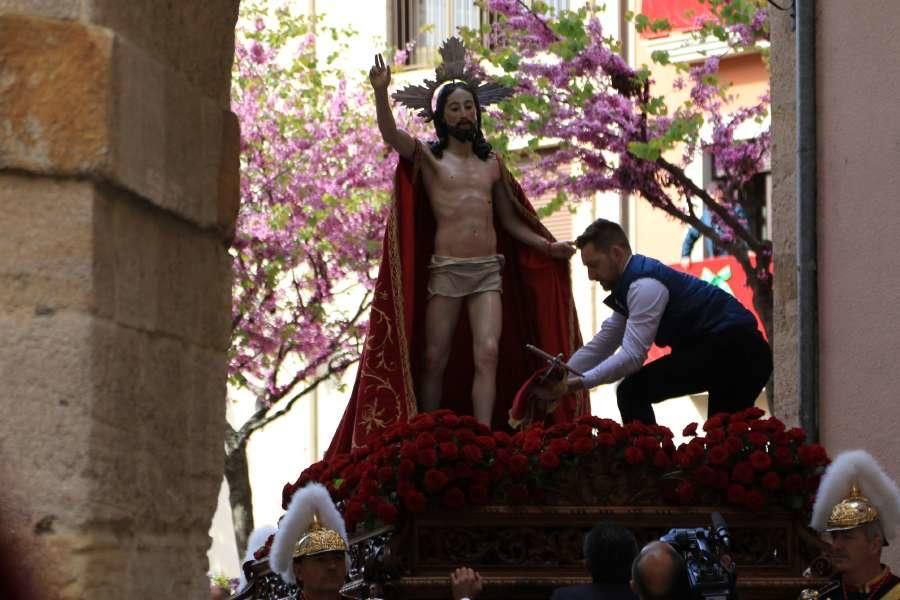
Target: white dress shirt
{"x": 598, "y": 360}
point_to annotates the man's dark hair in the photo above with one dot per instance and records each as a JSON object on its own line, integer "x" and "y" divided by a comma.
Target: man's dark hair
{"x": 480, "y": 146}
{"x": 603, "y": 234}
{"x": 609, "y": 549}
{"x": 677, "y": 585}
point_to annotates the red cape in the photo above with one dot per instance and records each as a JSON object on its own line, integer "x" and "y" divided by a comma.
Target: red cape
{"x": 537, "y": 308}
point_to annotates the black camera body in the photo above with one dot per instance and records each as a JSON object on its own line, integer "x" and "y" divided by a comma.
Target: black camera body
{"x": 711, "y": 572}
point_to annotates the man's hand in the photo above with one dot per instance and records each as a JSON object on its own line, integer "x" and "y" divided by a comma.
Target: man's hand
{"x": 561, "y": 250}
{"x": 551, "y": 390}
{"x": 465, "y": 583}
{"x": 380, "y": 74}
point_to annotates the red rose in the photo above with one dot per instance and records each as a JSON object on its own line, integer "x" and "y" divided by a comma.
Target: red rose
{"x": 755, "y": 500}
{"x": 757, "y": 439}
{"x": 714, "y": 436}
{"x": 448, "y": 450}
{"x": 705, "y": 476}
{"x": 734, "y": 444}
{"x": 548, "y": 459}
{"x": 796, "y": 435}
{"x": 583, "y": 445}
{"x": 406, "y": 468}
{"x": 812, "y": 455}
{"x": 422, "y": 422}
{"x": 685, "y": 492}
{"x": 442, "y": 434}
{"x": 426, "y": 457}
{"x": 502, "y": 438}
{"x": 408, "y": 450}
{"x": 450, "y": 420}
{"x": 414, "y": 501}
{"x": 531, "y": 445}
{"x": 793, "y": 483}
{"x": 465, "y": 436}
{"x": 462, "y": 470}
{"x": 774, "y": 425}
{"x": 736, "y": 493}
{"x": 771, "y": 481}
{"x": 661, "y": 460}
{"x": 690, "y": 430}
{"x": 648, "y": 443}
{"x": 560, "y": 446}
{"x": 497, "y": 471}
{"x": 761, "y": 460}
{"x": 472, "y": 453}
{"x": 753, "y": 412}
{"x": 387, "y": 513}
{"x": 518, "y": 464}
{"x": 580, "y": 431}
{"x": 385, "y": 474}
{"x": 478, "y": 494}
{"x": 714, "y": 422}
{"x": 486, "y": 442}
{"x": 425, "y": 440}
{"x": 435, "y": 480}
{"x": 718, "y": 455}
{"x": 606, "y": 440}
{"x": 722, "y": 479}
{"x": 454, "y": 498}
{"x": 737, "y": 427}
{"x": 783, "y": 456}
{"x": 780, "y": 438}
{"x": 518, "y": 494}
{"x": 743, "y": 472}
{"x": 634, "y": 455}
{"x": 502, "y": 455}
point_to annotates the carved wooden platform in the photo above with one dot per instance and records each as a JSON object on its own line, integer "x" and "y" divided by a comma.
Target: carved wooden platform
{"x": 526, "y": 552}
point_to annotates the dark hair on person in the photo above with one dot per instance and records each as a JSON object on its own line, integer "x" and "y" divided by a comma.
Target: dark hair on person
{"x": 677, "y": 586}
{"x": 603, "y": 234}
{"x": 609, "y": 549}
{"x": 480, "y": 146}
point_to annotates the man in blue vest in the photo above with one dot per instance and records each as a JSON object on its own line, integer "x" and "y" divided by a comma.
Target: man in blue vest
{"x": 716, "y": 346}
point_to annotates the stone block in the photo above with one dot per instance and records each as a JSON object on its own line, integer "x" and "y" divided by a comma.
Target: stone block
{"x": 195, "y": 39}
{"x": 74, "y": 100}
{"x": 46, "y": 252}
{"x": 54, "y": 95}
{"x": 57, "y": 9}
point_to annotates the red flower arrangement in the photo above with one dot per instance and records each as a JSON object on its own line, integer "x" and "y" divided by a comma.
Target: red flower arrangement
{"x": 441, "y": 460}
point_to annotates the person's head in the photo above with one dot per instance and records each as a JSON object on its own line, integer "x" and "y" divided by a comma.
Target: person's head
{"x": 457, "y": 113}
{"x": 217, "y": 592}
{"x": 857, "y": 549}
{"x": 659, "y": 573}
{"x": 321, "y": 574}
{"x": 609, "y": 549}
{"x": 604, "y": 251}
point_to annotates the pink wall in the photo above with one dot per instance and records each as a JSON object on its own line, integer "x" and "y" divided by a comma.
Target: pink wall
{"x": 859, "y": 226}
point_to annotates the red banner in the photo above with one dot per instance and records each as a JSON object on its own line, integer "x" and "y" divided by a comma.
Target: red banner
{"x": 681, "y": 14}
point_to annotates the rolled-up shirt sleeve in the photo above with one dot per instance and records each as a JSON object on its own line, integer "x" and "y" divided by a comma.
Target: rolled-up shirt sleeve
{"x": 598, "y": 360}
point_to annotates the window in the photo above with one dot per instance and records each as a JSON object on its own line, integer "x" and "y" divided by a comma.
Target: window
{"x": 430, "y": 22}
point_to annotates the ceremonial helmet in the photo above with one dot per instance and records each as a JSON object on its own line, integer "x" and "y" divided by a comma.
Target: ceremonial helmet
{"x": 312, "y": 525}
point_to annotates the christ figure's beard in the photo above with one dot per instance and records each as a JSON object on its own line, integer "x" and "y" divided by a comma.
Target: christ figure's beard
{"x": 463, "y": 134}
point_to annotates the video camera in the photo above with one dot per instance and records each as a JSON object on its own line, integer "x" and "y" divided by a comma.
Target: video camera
{"x": 711, "y": 571}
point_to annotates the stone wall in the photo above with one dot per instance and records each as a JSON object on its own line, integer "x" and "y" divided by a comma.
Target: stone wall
{"x": 118, "y": 191}
{"x": 784, "y": 218}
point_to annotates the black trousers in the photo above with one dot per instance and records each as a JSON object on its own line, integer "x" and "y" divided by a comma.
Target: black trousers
{"x": 733, "y": 366}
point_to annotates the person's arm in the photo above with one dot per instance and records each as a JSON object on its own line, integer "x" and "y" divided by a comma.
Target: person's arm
{"x": 399, "y": 140}
{"x": 647, "y": 300}
{"x": 519, "y": 229}
{"x": 687, "y": 246}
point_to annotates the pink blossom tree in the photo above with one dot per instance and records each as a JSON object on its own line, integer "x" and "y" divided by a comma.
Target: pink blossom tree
{"x": 573, "y": 86}
{"x": 315, "y": 188}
